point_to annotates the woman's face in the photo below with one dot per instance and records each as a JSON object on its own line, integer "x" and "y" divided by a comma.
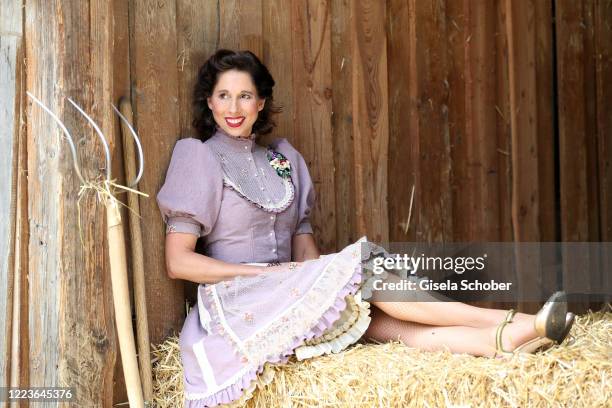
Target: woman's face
{"x": 235, "y": 103}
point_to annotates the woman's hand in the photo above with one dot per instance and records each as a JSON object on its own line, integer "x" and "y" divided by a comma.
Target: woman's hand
{"x": 182, "y": 262}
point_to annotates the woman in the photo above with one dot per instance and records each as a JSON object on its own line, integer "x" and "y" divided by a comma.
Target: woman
{"x": 266, "y": 292}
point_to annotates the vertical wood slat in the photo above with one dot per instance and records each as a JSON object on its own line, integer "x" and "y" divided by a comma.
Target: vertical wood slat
{"x": 11, "y": 57}
{"x": 241, "y": 25}
{"x": 155, "y": 100}
{"x": 402, "y": 136}
{"x": 523, "y": 119}
{"x": 277, "y": 55}
{"x": 576, "y": 182}
{"x": 20, "y": 371}
{"x": 312, "y": 93}
{"x": 546, "y": 141}
{"x": 603, "y": 75}
{"x": 196, "y": 38}
{"x": 458, "y": 43}
{"x": 504, "y": 129}
{"x": 472, "y": 68}
{"x": 342, "y": 122}
{"x": 71, "y": 333}
{"x": 481, "y": 120}
{"x": 433, "y": 203}
{"x": 544, "y": 65}
{"x": 370, "y": 119}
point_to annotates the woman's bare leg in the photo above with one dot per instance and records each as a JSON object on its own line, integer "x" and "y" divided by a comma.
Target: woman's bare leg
{"x": 440, "y": 313}
{"x": 478, "y": 341}
{"x": 436, "y": 310}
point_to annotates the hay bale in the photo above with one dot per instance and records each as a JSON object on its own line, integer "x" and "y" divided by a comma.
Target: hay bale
{"x": 393, "y": 375}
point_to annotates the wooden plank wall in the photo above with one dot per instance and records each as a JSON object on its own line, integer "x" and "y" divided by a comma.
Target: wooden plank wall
{"x": 69, "y": 53}
{"x": 497, "y": 117}
{"x": 11, "y": 53}
{"x": 585, "y": 138}
{"x": 456, "y": 99}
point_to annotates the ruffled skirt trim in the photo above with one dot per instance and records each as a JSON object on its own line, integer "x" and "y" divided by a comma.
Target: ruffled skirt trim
{"x": 335, "y": 338}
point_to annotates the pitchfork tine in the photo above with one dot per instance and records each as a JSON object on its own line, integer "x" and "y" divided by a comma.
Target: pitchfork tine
{"x": 75, "y": 162}
{"x": 100, "y": 135}
{"x": 138, "y": 145}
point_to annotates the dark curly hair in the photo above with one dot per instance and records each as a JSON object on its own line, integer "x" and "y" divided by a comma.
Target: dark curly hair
{"x": 208, "y": 75}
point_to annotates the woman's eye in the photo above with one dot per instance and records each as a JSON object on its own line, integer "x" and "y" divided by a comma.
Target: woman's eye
{"x": 245, "y": 96}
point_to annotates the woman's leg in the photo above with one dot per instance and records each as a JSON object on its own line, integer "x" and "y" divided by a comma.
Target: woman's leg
{"x": 478, "y": 341}
{"x": 439, "y": 313}
{"x": 437, "y": 310}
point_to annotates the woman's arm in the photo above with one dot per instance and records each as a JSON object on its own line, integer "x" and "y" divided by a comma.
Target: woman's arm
{"x": 303, "y": 248}
{"x": 182, "y": 262}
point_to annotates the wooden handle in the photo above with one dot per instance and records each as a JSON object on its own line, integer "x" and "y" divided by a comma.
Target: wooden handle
{"x": 121, "y": 300}
{"x": 140, "y": 303}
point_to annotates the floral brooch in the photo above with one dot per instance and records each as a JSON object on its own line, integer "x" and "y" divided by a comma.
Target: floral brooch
{"x": 279, "y": 163}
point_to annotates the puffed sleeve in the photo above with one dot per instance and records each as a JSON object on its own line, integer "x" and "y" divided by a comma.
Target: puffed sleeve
{"x": 190, "y": 197}
{"x": 304, "y": 189}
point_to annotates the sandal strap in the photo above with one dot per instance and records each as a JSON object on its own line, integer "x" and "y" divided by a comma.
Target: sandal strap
{"x": 500, "y": 329}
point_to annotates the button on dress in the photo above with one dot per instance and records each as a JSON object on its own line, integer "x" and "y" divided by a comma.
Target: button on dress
{"x": 248, "y": 206}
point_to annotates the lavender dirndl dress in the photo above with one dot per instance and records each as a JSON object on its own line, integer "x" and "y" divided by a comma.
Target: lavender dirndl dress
{"x": 248, "y": 201}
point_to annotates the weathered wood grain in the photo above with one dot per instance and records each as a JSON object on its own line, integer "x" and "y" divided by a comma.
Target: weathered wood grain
{"x": 433, "y": 204}
{"x": 342, "y": 121}
{"x": 603, "y": 72}
{"x": 20, "y": 369}
{"x": 458, "y": 42}
{"x": 523, "y": 120}
{"x": 503, "y": 129}
{"x": 312, "y": 93}
{"x": 72, "y": 340}
{"x": 546, "y": 139}
{"x": 370, "y": 101}
{"x": 196, "y": 30}
{"x": 278, "y": 57}
{"x": 241, "y": 25}
{"x": 544, "y": 66}
{"x": 481, "y": 118}
{"x": 574, "y": 153}
{"x": 155, "y": 99}
{"x": 11, "y": 57}
{"x": 403, "y": 175}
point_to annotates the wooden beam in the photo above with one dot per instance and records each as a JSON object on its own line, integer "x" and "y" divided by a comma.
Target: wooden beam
{"x": 196, "y": 31}
{"x": 342, "y": 66}
{"x": 72, "y": 334}
{"x": 576, "y": 119}
{"x": 402, "y": 127}
{"x": 153, "y": 61}
{"x": 11, "y": 57}
{"x": 603, "y": 72}
{"x": 278, "y": 57}
{"x": 523, "y": 120}
{"x": 241, "y": 25}
{"x": 429, "y": 107}
{"x": 370, "y": 118}
{"x": 312, "y": 106}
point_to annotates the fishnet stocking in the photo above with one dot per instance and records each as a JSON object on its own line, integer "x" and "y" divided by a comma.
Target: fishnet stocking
{"x": 457, "y": 339}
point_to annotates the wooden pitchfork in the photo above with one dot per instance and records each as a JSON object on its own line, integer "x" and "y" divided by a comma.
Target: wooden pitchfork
{"x": 116, "y": 251}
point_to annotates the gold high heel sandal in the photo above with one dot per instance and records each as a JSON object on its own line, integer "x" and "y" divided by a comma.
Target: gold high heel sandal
{"x": 552, "y": 323}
